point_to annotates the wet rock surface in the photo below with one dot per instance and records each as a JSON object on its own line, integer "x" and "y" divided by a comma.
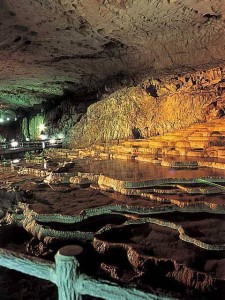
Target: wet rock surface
{"x": 120, "y": 72}
{"x": 180, "y": 101}
{"x": 157, "y": 245}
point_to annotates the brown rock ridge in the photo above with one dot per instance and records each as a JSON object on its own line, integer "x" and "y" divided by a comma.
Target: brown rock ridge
{"x": 153, "y": 108}
{"x": 200, "y": 141}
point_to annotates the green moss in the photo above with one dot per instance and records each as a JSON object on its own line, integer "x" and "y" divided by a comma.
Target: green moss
{"x": 28, "y": 93}
{"x": 34, "y": 124}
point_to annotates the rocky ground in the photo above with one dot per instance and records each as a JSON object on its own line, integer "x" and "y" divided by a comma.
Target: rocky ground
{"x": 167, "y": 248}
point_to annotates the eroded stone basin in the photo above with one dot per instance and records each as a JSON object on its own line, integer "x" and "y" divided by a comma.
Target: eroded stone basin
{"x": 156, "y": 255}
{"x": 134, "y": 170}
{"x": 91, "y": 224}
{"x": 127, "y": 238}
{"x": 206, "y": 227}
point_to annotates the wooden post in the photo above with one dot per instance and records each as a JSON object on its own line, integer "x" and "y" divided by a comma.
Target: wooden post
{"x": 67, "y": 272}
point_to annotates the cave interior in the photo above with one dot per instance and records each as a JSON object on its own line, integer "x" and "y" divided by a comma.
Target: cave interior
{"x": 112, "y": 148}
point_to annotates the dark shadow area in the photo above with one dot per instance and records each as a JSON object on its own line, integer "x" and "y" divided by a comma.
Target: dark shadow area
{"x": 152, "y": 91}
{"x": 136, "y": 132}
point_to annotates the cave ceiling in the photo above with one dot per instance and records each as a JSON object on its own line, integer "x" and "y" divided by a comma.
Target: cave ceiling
{"x": 49, "y": 47}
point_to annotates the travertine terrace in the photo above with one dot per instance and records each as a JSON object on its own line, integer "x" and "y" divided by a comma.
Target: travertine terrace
{"x": 112, "y": 149}
{"x": 68, "y": 203}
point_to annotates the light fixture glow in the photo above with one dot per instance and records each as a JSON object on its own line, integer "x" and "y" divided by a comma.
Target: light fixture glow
{"x": 61, "y": 136}
{"x": 43, "y": 137}
{"x": 16, "y": 161}
{"x": 8, "y": 119}
{"x": 14, "y": 144}
{"x": 42, "y": 127}
{"x": 52, "y": 141}
{"x": 1, "y": 120}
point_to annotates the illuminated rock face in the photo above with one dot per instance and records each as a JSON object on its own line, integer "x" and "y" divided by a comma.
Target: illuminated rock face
{"x": 107, "y": 49}
{"x": 34, "y": 127}
{"x": 48, "y": 47}
{"x": 153, "y": 108}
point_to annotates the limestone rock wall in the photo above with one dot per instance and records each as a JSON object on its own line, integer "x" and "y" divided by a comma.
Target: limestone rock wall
{"x": 48, "y": 47}
{"x": 30, "y": 126}
{"x": 153, "y": 107}
{"x": 57, "y": 116}
{"x": 62, "y": 117}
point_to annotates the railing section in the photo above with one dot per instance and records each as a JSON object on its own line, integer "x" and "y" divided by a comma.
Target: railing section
{"x": 65, "y": 273}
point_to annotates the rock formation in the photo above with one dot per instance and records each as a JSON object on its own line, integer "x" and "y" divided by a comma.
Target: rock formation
{"x": 116, "y": 53}
{"x": 49, "y": 47}
{"x": 154, "y": 107}
{"x": 167, "y": 240}
{"x": 136, "y": 90}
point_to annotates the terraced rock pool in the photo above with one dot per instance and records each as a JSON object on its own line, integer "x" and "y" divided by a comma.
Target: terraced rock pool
{"x": 137, "y": 171}
{"x": 165, "y": 238}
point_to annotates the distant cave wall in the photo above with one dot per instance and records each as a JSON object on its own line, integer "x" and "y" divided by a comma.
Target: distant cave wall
{"x": 10, "y": 125}
{"x": 31, "y": 126}
{"x": 154, "y": 107}
{"x": 10, "y": 132}
{"x": 60, "y": 118}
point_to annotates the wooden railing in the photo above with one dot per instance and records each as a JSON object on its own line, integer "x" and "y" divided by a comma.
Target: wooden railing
{"x": 65, "y": 273}
{"x": 30, "y": 144}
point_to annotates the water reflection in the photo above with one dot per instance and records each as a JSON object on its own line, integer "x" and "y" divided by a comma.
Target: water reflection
{"x": 136, "y": 170}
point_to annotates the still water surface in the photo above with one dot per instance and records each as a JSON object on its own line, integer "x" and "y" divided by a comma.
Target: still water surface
{"x": 137, "y": 171}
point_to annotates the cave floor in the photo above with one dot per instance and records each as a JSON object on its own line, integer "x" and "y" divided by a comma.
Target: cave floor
{"x": 165, "y": 237}
{"x": 137, "y": 171}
